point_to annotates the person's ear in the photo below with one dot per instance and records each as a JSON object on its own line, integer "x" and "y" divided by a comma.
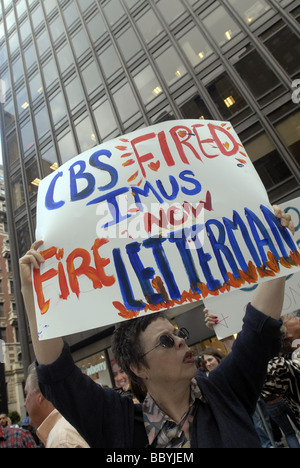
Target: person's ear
{"x": 140, "y": 371}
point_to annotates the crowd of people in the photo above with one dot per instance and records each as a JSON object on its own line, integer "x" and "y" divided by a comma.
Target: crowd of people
{"x": 162, "y": 398}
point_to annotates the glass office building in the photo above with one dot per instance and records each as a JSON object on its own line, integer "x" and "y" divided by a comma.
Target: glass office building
{"x": 78, "y": 72}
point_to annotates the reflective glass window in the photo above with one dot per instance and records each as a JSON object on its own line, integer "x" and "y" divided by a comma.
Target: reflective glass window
{"x": 85, "y": 133}
{"x": 258, "y": 76}
{"x": 170, "y": 12}
{"x": 36, "y": 86}
{"x": 56, "y": 28}
{"x": 80, "y": 43}
{"x": 65, "y": 57}
{"x": 32, "y": 177}
{"x": 22, "y": 100}
{"x": 125, "y": 102}
{"x": 227, "y": 97}
{"x": 221, "y": 26}
{"x": 27, "y": 135}
{"x": 129, "y": 44}
{"x": 50, "y": 72}
{"x": 29, "y": 56}
{"x": 284, "y": 45}
{"x": 289, "y": 130}
{"x": 250, "y": 10}
{"x": 25, "y": 30}
{"x": 195, "y": 46}
{"x": 149, "y": 26}
{"x": 113, "y": 11}
{"x": 92, "y": 78}
{"x": 74, "y": 93}
{"x": 42, "y": 122}
{"x": 170, "y": 66}
{"x": 12, "y": 148}
{"x": 17, "y": 191}
{"x": 49, "y": 159}
{"x": 43, "y": 42}
{"x": 105, "y": 119}
{"x": 96, "y": 27}
{"x": 67, "y": 147}
{"x": 147, "y": 84}
{"x": 109, "y": 61}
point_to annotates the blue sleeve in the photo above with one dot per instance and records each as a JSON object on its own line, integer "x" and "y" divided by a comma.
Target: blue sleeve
{"x": 244, "y": 370}
{"x": 101, "y": 416}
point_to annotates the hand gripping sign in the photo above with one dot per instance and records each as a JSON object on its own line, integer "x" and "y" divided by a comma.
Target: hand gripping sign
{"x": 164, "y": 216}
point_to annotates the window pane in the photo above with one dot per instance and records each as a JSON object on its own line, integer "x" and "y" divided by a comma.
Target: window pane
{"x": 259, "y": 78}
{"x": 195, "y": 47}
{"x": 289, "y": 130}
{"x": 75, "y": 93}
{"x": 85, "y": 133}
{"x": 195, "y": 108}
{"x": 109, "y": 61}
{"x": 226, "y": 96}
{"x": 50, "y": 73}
{"x": 12, "y": 148}
{"x": 129, "y": 44}
{"x": 147, "y": 84}
{"x": 96, "y": 27}
{"x": 33, "y": 177}
{"x": 105, "y": 119}
{"x": 27, "y": 136}
{"x": 42, "y": 123}
{"x": 22, "y": 100}
{"x": 65, "y": 58}
{"x": 17, "y": 190}
{"x": 125, "y": 102}
{"x": 67, "y": 147}
{"x": 80, "y": 43}
{"x": 285, "y": 47}
{"x": 49, "y": 160}
{"x": 221, "y": 26}
{"x": 170, "y": 66}
{"x": 113, "y": 11}
{"x": 250, "y": 10}
{"x": 170, "y": 13}
{"x": 149, "y": 26}
{"x": 36, "y": 87}
{"x": 91, "y": 77}
{"x": 58, "y": 108}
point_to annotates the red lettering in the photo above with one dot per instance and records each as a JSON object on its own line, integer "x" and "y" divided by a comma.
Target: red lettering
{"x": 39, "y": 279}
{"x": 96, "y": 275}
{"x": 146, "y": 157}
{"x": 100, "y": 263}
{"x": 213, "y": 130}
{"x": 186, "y": 132}
{"x": 165, "y": 149}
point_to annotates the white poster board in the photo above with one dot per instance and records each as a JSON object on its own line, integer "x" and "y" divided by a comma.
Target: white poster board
{"x": 230, "y": 310}
{"x": 164, "y": 216}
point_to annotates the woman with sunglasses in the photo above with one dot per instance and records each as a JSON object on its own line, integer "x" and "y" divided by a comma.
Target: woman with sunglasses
{"x": 181, "y": 409}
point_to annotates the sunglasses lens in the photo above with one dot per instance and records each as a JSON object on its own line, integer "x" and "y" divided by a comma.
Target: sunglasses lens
{"x": 166, "y": 341}
{"x": 183, "y": 333}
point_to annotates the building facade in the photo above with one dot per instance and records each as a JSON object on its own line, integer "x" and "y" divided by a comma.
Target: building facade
{"x": 76, "y": 73}
{"x": 12, "y": 389}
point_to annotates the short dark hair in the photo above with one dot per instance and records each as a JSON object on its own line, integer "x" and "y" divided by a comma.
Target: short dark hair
{"x": 126, "y": 346}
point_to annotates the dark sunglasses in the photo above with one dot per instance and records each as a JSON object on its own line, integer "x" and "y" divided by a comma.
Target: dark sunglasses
{"x": 167, "y": 341}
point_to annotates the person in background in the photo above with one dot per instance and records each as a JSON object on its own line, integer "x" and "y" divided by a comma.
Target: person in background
{"x": 51, "y": 428}
{"x": 12, "y": 437}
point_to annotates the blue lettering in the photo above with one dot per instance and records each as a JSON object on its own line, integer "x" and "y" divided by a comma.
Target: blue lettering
{"x": 254, "y": 223}
{"x": 49, "y": 199}
{"x": 125, "y": 286}
{"x": 81, "y": 174}
{"x": 163, "y": 265}
{"x": 219, "y": 246}
{"x": 175, "y": 188}
{"x": 197, "y": 186}
{"x": 95, "y": 162}
{"x": 143, "y": 274}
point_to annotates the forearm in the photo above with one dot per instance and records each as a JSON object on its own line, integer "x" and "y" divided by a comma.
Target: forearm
{"x": 46, "y": 351}
{"x": 269, "y": 297}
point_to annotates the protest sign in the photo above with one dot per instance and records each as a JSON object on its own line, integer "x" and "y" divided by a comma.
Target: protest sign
{"x": 164, "y": 216}
{"x": 231, "y": 309}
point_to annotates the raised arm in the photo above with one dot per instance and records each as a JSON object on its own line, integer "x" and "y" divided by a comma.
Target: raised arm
{"x": 46, "y": 351}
